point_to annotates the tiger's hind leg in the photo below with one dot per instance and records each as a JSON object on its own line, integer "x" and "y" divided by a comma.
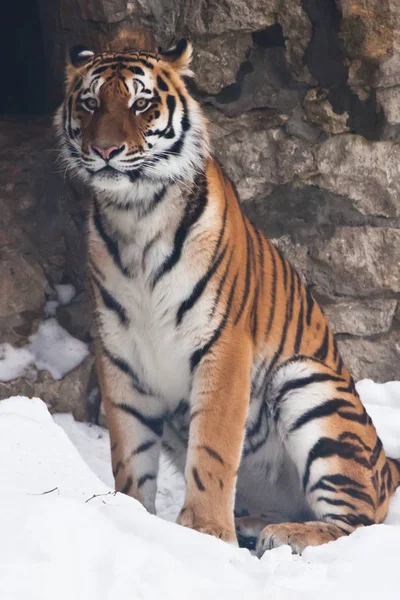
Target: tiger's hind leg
{"x": 335, "y": 448}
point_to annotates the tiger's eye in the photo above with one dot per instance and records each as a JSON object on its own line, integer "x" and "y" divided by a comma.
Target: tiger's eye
{"x": 140, "y": 104}
{"x": 90, "y": 103}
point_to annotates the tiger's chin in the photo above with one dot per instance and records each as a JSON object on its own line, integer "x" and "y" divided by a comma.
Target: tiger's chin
{"x": 111, "y": 180}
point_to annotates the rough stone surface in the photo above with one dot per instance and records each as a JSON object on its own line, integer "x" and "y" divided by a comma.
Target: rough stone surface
{"x": 320, "y": 111}
{"x": 361, "y": 318}
{"x": 65, "y": 395}
{"x": 22, "y": 283}
{"x": 376, "y": 358}
{"x": 303, "y": 101}
{"x": 360, "y": 261}
{"x": 367, "y": 172}
{"x": 218, "y": 59}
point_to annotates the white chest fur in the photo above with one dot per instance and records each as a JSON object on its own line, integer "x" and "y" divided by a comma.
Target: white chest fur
{"x": 148, "y": 336}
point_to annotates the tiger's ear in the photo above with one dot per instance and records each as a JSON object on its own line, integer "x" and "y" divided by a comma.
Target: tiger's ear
{"x": 79, "y": 55}
{"x": 179, "y": 57}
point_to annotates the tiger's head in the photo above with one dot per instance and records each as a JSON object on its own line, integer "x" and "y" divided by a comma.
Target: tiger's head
{"x": 128, "y": 116}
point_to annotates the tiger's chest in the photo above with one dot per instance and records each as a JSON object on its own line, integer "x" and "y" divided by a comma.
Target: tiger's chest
{"x": 140, "y": 323}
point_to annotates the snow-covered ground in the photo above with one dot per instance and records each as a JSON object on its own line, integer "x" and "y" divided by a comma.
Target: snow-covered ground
{"x": 64, "y": 534}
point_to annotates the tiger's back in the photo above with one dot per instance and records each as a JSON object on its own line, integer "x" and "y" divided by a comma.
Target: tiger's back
{"x": 211, "y": 342}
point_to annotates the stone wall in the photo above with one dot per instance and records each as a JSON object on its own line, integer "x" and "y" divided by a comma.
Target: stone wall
{"x": 303, "y": 97}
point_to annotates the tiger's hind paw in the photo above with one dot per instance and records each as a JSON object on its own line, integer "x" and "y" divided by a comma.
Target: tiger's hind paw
{"x": 296, "y": 535}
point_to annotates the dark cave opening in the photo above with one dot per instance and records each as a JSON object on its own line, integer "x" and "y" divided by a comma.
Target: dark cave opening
{"x": 22, "y": 59}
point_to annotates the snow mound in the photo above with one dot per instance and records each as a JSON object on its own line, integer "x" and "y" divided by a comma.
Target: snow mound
{"x": 51, "y": 348}
{"x": 65, "y": 534}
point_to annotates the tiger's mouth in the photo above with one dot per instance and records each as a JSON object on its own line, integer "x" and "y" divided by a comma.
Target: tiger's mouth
{"x": 113, "y": 173}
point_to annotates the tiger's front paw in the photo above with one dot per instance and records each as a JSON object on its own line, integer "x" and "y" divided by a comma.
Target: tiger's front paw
{"x": 189, "y": 517}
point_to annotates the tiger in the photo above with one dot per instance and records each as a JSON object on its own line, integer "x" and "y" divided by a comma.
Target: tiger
{"x": 212, "y": 348}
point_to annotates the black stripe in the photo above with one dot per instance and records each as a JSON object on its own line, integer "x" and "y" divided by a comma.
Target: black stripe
{"x": 193, "y": 211}
{"x": 294, "y": 384}
{"x": 135, "y": 70}
{"x": 142, "y": 480}
{"x": 128, "y": 485}
{"x": 356, "y": 417}
{"x": 221, "y": 285}
{"x": 349, "y": 435}
{"x": 352, "y": 520}
{"x": 358, "y": 495}
{"x": 330, "y": 407}
{"x": 110, "y": 242}
{"x": 162, "y": 84}
{"x": 325, "y": 448}
{"x": 336, "y": 480}
{"x": 245, "y": 294}
{"x": 260, "y": 255}
{"x": 143, "y": 447}
{"x": 157, "y": 199}
{"x": 335, "y": 502}
{"x": 121, "y": 364}
{"x": 111, "y": 303}
{"x": 197, "y": 480}
{"x": 213, "y": 453}
{"x": 254, "y": 313}
{"x": 300, "y": 327}
{"x": 185, "y": 122}
{"x": 155, "y": 424}
{"x": 310, "y": 305}
{"x": 323, "y": 350}
{"x": 198, "y": 354}
{"x": 118, "y": 467}
{"x": 273, "y": 292}
{"x": 200, "y": 287}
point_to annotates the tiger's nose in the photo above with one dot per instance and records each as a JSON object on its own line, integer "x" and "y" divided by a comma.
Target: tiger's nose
{"x": 107, "y": 153}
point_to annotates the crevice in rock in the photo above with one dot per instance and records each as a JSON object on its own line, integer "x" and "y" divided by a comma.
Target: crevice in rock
{"x": 325, "y": 58}
{"x": 22, "y": 59}
{"x": 271, "y": 37}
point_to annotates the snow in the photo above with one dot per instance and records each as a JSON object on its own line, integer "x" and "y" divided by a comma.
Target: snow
{"x": 14, "y": 362}
{"x": 51, "y": 348}
{"x": 65, "y": 293}
{"x": 66, "y": 535}
{"x": 50, "y": 308}
{"x": 55, "y": 350}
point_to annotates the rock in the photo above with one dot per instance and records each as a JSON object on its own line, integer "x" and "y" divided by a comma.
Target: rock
{"x": 297, "y": 30}
{"x": 389, "y": 100}
{"x": 65, "y": 395}
{"x": 257, "y": 159}
{"x": 357, "y": 262}
{"x": 217, "y": 60}
{"x": 305, "y": 212}
{"x": 22, "y": 283}
{"x": 320, "y": 111}
{"x": 376, "y": 359}
{"x": 361, "y": 318}
{"x": 298, "y": 126}
{"x": 368, "y": 27}
{"x": 213, "y": 18}
{"x": 263, "y": 81}
{"x": 367, "y": 172}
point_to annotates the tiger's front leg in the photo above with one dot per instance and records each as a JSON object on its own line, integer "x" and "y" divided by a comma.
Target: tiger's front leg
{"x": 219, "y": 404}
{"x": 135, "y": 425}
